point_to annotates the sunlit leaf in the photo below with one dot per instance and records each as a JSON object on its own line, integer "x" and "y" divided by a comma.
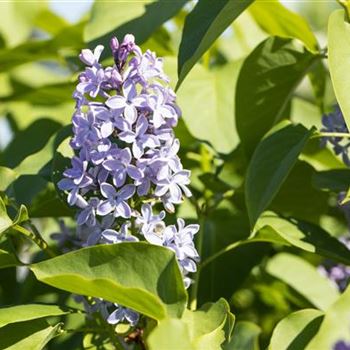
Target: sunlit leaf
{"x": 277, "y": 20}
{"x": 20, "y": 313}
{"x": 141, "y": 276}
{"x": 245, "y": 336}
{"x": 33, "y": 335}
{"x": 335, "y": 325}
{"x": 216, "y": 89}
{"x": 17, "y": 20}
{"x": 304, "y": 278}
{"x": 118, "y": 18}
{"x": 300, "y": 234}
{"x": 196, "y": 330}
{"x": 5, "y": 221}
{"x": 296, "y": 330}
{"x": 7, "y": 176}
{"x": 339, "y": 53}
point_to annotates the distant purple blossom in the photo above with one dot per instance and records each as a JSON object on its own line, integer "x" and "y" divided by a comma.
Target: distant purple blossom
{"x": 334, "y": 122}
{"x": 341, "y": 345}
{"x": 126, "y": 159}
{"x": 339, "y": 274}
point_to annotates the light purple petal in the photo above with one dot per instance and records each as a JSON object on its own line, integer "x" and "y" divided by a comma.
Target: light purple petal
{"x": 105, "y": 207}
{"x": 134, "y": 172}
{"x": 126, "y": 192}
{"x": 116, "y": 102}
{"x": 107, "y": 190}
{"x": 107, "y": 129}
{"x": 122, "y": 209}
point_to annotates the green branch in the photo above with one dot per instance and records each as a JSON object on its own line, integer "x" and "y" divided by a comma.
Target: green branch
{"x": 332, "y": 134}
{"x": 346, "y": 5}
{"x": 194, "y": 287}
{"x": 35, "y": 237}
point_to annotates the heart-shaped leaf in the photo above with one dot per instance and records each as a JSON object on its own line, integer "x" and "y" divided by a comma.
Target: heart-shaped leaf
{"x": 138, "y": 275}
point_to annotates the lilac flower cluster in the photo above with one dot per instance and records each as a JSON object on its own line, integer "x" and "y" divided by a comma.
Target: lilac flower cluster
{"x": 339, "y": 274}
{"x": 341, "y": 345}
{"x": 126, "y": 157}
{"x": 334, "y": 122}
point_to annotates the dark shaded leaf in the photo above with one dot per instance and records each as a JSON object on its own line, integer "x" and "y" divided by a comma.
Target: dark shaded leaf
{"x": 271, "y": 163}
{"x": 265, "y": 84}
{"x": 202, "y": 27}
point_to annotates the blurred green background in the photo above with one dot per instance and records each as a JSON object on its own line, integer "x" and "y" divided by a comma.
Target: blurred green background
{"x": 39, "y": 44}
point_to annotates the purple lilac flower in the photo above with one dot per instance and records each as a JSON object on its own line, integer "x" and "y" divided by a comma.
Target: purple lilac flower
{"x": 339, "y": 274}
{"x": 341, "y": 345}
{"x": 334, "y": 122}
{"x": 126, "y": 159}
{"x": 122, "y": 313}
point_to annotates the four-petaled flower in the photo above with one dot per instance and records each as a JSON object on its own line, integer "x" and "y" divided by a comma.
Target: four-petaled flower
{"x": 116, "y": 201}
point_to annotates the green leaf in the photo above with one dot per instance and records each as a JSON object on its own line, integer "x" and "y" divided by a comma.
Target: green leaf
{"x": 303, "y": 278}
{"x": 217, "y": 88}
{"x": 196, "y": 330}
{"x": 47, "y": 95}
{"x": 31, "y": 335}
{"x": 276, "y": 19}
{"x": 7, "y": 176}
{"x": 337, "y": 180}
{"x": 22, "y": 215}
{"x": 202, "y": 27}
{"x": 298, "y": 198}
{"x": 118, "y": 18}
{"x": 227, "y": 273}
{"x": 170, "y": 334}
{"x": 50, "y": 22}
{"x": 335, "y": 326}
{"x": 7, "y": 260}
{"x": 296, "y": 330}
{"x": 271, "y": 163}
{"x": 245, "y": 336}
{"x": 206, "y": 324}
{"x": 68, "y": 38}
{"x": 28, "y": 312}
{"x": 338, "y": 53}
{"x": 47, "y": 203}
{"x": 5, "y": 221}
{"x": 265, "y": 84}
{"x": 300, "y": 234}
{"x": 17, "y": 20}
{"x": 141, "y": 276}
{"x": 61, "y": 159}
{"x": 29, "y": 141}
{"x": 220, "y": 229}
{"x": 320, "y": 158}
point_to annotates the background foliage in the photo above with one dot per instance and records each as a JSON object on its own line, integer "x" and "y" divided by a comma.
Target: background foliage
{"x": 253, "y": 80}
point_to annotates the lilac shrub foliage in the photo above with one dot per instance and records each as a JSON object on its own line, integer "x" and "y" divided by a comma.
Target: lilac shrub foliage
{"x": 126, "y": 160}
{"x": 339, "y": 274}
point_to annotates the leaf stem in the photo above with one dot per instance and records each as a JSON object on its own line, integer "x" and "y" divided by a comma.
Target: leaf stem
{"x": 223, "y": 251}
{"x": 199, "y": 245}
{"x": 332, "y": 134}
{"x": 36, "y": 238}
